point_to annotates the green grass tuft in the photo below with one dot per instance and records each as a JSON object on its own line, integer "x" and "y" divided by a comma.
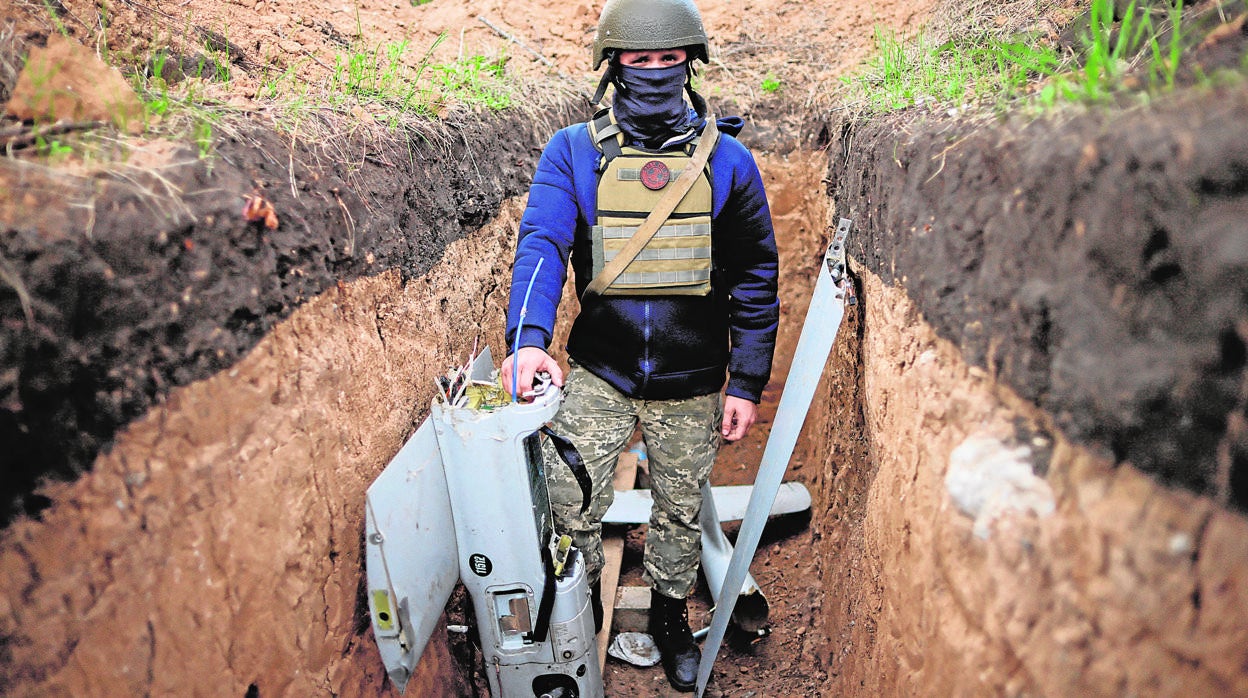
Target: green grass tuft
{"x": 385, "y": 83}
{"x": 476, "y": 80}
{"x": 1140, "y": 53}
{"x": 953, "y": 73}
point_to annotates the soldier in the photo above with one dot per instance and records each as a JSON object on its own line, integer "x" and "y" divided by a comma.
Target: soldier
{"x": 658, "y": 331}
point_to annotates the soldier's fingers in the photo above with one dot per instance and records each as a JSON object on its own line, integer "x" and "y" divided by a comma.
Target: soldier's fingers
{"x": 527, "y": 370}
{"x": 743, "y": 427}
{"x": 552, "y": 367}
{"x": 505, "y": 373}
{"x": 517, "y": 375}
{"x": 739, "y": 416}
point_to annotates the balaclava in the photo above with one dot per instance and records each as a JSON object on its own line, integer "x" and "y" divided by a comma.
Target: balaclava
{"x": 649, "y": 103}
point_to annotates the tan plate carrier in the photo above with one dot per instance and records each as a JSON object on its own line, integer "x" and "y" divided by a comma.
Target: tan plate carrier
{"x": 648, "y": 239}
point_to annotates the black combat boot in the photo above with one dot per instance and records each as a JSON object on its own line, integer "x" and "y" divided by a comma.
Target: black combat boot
{"x": 669, "y": 624}
{"x": 595, "y": 604}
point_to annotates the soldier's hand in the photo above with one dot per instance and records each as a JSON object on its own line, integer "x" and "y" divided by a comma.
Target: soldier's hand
{"x": 739, "y": 415}
{"x": 525, "y": 363}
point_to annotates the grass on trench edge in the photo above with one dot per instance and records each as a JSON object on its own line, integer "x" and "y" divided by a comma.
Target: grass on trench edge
{"x": 1025, "y": 71}
{"x": 377, "y": 84}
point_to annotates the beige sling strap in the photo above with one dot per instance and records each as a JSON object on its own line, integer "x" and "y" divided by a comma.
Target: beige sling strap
{"x": 661, "y": 211}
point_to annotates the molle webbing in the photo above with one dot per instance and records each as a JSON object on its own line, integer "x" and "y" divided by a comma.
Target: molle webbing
{"x": 677, "y": 260}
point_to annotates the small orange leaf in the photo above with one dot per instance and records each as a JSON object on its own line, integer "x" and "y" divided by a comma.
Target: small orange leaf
{"x": 258, "y": 209}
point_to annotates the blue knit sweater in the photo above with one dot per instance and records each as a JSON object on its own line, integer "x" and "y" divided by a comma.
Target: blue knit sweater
{"x": 653, "y": 347}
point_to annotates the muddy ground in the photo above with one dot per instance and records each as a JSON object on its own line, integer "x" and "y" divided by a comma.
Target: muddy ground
{"x": 192, "y": 405}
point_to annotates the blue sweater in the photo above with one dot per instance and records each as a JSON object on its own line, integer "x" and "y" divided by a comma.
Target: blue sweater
{"x": 653, "y": 347}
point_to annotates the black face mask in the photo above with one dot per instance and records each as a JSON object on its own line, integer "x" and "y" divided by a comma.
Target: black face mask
{"x": 649, "y": 103}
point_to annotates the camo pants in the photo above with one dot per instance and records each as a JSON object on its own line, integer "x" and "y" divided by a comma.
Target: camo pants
{"x": 681, "y": 438}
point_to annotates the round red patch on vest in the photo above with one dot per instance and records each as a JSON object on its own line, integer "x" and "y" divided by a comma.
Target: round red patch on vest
{"x": 655, "y": 175}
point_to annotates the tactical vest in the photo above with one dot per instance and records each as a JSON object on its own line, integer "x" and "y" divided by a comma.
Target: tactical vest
{"x": 677, "y": 260}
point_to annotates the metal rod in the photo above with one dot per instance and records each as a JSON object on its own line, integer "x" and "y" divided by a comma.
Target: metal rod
{"x": 823, "y": 319}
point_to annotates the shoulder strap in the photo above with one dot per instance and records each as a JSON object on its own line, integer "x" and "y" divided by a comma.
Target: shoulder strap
{"x": 572, "y": 457}
{"x": 663, "y": 209}
{"x": 606, "y": 136}
{"x": 547, "y": 605}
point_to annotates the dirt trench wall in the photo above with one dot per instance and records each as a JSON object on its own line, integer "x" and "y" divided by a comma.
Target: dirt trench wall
{"x": 1089, "y": 579}
{"x": 219, "y": 544}
{"x": 1051, "y": 313}
{"x": 1094, "y": 262}
{"x": 142, "y": 275}
{"x": 193, "y": 405}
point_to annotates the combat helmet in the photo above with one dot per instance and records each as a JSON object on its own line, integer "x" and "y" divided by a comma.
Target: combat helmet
{"x": 642, "y": 25}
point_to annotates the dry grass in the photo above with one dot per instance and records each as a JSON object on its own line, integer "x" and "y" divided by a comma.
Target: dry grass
{"x": 10, "y": 60}
{"x": 1001, "y": 19}
{"x": 9, "y": 277}
{"x": 329, "y": 132}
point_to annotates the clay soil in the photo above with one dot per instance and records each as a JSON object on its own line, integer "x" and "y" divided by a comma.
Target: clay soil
{"x": 192, "y": 405}
{"x": 175, "y": 291}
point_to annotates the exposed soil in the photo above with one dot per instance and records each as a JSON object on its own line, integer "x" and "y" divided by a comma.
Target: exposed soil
{"x": 219, "y": 306}
{"x": 192, "y": 405}
{"x": 1041, "y": 247}
{"x": 145, "y": 276}
{"x": 219, "y": 543}
{"x": 804, "y": 47}
{"x": 1126, "y": 587}
{"x": 119, "y": 331}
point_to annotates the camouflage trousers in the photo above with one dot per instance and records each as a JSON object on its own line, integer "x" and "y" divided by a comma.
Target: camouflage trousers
{"x": 681, "y": 437}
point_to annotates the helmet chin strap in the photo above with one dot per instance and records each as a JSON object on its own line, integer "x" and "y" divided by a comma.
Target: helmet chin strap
{"x": 699, "y": 103}
{"x": 608, "y": 77}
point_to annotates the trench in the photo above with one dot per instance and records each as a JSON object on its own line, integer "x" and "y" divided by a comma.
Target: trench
{"x": 218, "y": 542}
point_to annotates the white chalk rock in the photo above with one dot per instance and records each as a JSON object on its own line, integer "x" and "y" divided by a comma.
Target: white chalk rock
{"x": 988, "y": 479}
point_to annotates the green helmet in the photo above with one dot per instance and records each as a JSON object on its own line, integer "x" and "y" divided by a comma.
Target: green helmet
{"x": 646, "y": 25}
